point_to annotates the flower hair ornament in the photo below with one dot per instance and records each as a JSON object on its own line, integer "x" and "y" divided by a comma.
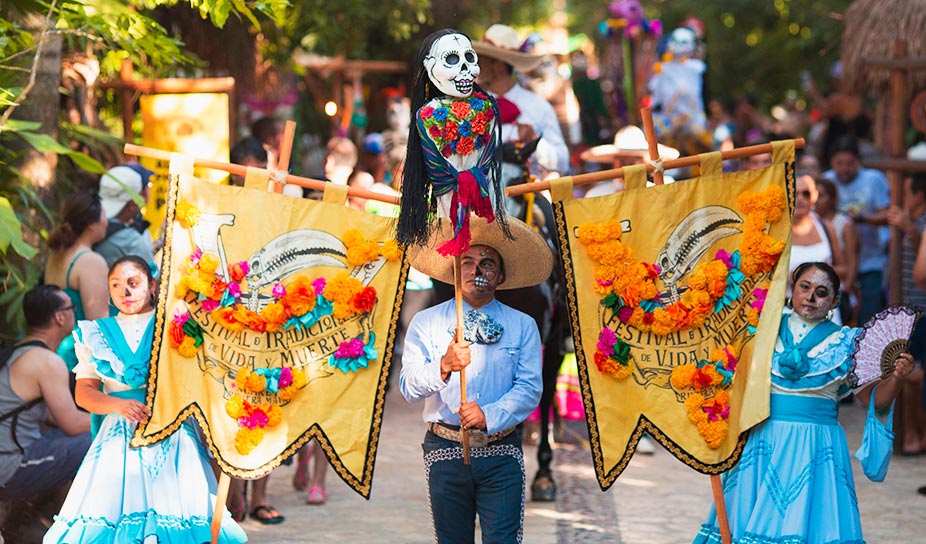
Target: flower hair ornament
{"x": 453, "y": 160}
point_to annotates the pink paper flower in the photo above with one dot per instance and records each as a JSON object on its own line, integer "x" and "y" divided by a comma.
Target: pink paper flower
{"x": 209, "y": 305}
{"x": 350, "y": 349}
{"x": 180, "y": 318}
{"x": 196, "y": 256}
{"x": 624, "y": 314}
{"x": 606, "y": 341}
{"x": 286, "y": 377}
{"x": 319, "y": 285}
{"x": 234, "y": 289}
{"x": 723, "y": 255}
{"x": 279, "y": 291}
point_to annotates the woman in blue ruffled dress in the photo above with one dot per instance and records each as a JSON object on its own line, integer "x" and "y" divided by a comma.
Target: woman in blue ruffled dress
{"x": 164, "y": 492}
{"x": 793, "y": 483}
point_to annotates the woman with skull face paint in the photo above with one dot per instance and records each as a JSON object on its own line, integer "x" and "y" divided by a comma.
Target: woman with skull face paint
{"x": 793, "y": 482}
{"x": 164, "y": 492}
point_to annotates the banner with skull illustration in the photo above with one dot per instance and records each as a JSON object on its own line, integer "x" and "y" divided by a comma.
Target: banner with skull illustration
{"x": 675, "y": 294}
{"x": 274, "y": 326}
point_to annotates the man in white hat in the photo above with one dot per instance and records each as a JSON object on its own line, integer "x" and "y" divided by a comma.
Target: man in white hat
{"x": 502, "y": 357}
{"x": 629, "y": 148}
{"x": 126, "y": 232}
{"x": 532, "y": 116}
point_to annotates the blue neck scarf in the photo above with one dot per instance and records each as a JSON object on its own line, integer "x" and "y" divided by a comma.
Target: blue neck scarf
{"x": 793, "y": 362}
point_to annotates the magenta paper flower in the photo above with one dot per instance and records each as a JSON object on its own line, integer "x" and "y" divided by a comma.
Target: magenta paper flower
{"x": 723, "y": 255}
{"x": 208, "y": 305}
{"x": 196, "y": 256}
{"x": 350, "y": 349}
{"x": 624, "y": 314}
{"x": 716, "y": 411}
{"x": 759, "y": 301}
{"x": 279, "y": 291}
{"x": 606, "y": 341}
{"x": 319, "y": 285}
{"x": 731, "y": 361}
{"x": 286, "y": 377}
{"x": 180, "y": 318}
{"x": 234, "y": 290}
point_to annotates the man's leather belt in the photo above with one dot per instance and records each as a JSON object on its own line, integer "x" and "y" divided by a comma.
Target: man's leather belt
{"x": 449, "y": 433}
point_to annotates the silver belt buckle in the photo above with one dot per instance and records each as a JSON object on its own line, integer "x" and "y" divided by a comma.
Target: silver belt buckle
{"x": 477, "y": 438}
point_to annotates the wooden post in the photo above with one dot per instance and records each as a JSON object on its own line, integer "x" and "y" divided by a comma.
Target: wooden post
{"x": 458, "y": 298}
{"x": 604, "y": 175}
{"x": 896, "y": 149}
{"x": 220, "y": 496}
{"x": 716, "y": 486}
{"x": 128, "y": 105}
{"x": 317, "y": 184}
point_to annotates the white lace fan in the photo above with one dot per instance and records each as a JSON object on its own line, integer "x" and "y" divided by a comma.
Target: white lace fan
{"x": 881, "y": 340}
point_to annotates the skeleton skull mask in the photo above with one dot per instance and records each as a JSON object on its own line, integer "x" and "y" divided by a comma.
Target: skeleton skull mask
{"x": 452, "y": 65}
{"x": 682, "y": 42}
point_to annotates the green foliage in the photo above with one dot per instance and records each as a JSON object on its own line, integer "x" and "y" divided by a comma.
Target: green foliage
{"x": 756, "y": 47}
{"x": 351, "y": 28}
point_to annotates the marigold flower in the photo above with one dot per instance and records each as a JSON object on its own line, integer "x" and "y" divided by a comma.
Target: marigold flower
{"x": 187, "y": 348}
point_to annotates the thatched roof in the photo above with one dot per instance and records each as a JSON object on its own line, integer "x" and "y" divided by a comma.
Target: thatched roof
{"x": 872, "y": 26}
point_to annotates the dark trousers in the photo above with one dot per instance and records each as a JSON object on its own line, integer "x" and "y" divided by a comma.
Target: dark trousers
{"x": 872, "y": 295}
{"x": 492, "y": 485}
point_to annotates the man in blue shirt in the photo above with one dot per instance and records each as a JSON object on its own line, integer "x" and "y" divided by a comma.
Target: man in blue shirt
{"x": 864, "y": 195}
{"x": 502, "y": 357}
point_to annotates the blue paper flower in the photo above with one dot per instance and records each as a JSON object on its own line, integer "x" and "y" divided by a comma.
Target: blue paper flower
{"x": 440, "y": 114}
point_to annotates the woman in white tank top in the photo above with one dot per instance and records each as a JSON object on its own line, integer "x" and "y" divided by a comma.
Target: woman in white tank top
{"x": 812, "y": 239}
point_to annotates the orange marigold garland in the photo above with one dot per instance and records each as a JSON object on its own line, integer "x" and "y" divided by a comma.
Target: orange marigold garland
{"x": 629, "y": 289}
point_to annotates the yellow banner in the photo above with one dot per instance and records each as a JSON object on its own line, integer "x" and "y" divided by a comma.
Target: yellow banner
{"x": 195, "y": 124}
{"x": 675, "y": 294}
{"x": 274, "y": 325}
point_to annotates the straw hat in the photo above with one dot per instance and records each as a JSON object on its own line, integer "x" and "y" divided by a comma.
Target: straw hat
{"x": 629, "y": 143}
{"x": 501, "y": 42}
{"x": 527, "y": 259}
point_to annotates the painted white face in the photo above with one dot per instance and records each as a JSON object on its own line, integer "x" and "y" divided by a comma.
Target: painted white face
{"x": 681, "y": 42}
{"x": 453, "y": 65}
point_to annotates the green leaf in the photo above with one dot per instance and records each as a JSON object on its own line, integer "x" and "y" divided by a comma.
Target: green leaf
{"x": 86, "y": 162}
{"x": 16, "y": 125}
{"x": 11, "y": 233}
{"x": 45, "y": 143}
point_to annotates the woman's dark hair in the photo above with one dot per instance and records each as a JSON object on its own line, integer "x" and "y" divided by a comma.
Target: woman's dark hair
{"x": 826, "y": 268}
{"x": 417, "y": 202}
{"x": 140, "y": 263}
{"x": 826, "y": 185}
{"x": 79, "y": 211}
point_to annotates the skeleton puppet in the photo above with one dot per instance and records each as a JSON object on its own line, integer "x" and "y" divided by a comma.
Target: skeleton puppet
{"x": 452, "y": 162}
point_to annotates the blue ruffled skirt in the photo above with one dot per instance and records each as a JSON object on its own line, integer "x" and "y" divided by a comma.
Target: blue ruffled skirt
{"x": 793, "y": 483}
{"x": 162, "y": 493}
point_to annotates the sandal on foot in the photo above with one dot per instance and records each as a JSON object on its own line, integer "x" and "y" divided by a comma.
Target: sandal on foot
{"x": 317, "y": 495}
{"x": 269, "y": 518}
{"x": 301, "y": 476}
{"x": 238, "y": 509}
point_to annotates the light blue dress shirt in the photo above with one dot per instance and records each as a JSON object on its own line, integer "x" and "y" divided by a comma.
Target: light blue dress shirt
{"x": 504, "y": 378}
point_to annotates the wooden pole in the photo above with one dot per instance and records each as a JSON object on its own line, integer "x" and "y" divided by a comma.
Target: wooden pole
{"x": 286, "y": 152}
{"x": 722, "y": 522}
{"x": 220, "y": 496}
{"x": 458, "y": 298}
{"x": 649, "y": 129}
{"x": 128, "y": 109}
{"x": 720, "y": 504}
{"x": 898, "y": 119}
{"x": 317, "y": 184}
{"x": 605, "y": 175}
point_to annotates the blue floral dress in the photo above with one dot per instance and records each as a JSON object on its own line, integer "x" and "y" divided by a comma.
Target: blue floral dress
{"x": 159, "y": 493}
{"x": 793, "y": 483}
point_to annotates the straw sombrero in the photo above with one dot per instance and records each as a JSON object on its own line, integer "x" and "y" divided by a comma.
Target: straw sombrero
{"x": 527, "y": 259}
{"x": 501, "y": 42}
{"x": 629, "y": 143}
